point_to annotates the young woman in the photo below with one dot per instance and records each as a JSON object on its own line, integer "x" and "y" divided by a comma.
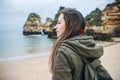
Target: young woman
{"x": 70, "y": 46}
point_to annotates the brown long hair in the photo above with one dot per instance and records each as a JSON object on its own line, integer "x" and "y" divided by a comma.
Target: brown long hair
{"x": 74, "y": 22}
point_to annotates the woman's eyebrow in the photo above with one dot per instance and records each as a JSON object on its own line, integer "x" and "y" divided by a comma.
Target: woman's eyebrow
{"x": 59, "y": 20}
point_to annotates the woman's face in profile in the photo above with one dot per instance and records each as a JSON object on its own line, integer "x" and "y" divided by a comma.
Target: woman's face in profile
{"x": 60, "y": 26}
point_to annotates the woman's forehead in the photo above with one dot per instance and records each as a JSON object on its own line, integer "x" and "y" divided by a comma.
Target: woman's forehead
{"x": 61, "y": 17}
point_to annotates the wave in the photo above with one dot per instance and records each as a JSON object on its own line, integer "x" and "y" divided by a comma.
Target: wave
{"x": 22, "y": 57}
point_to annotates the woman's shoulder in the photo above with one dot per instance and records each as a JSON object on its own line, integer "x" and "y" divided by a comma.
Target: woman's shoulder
{"x": 70, "y": 55}
{"x": 66, "y": 50}
{"x": 63, "y": 49}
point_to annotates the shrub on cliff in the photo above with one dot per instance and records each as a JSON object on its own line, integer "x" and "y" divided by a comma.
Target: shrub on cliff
{"x": 94, "y": 18}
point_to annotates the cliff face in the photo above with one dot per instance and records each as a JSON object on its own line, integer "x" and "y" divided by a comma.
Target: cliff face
{"x": 33, "y": 25}
{"x": 111, "y": 16}
{"x": 46, "y": 25}
{"x": 94, "y": 18}
{"x": 94, "y": 21}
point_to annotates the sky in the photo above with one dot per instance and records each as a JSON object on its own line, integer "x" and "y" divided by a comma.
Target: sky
{"x": 15, "y": 12}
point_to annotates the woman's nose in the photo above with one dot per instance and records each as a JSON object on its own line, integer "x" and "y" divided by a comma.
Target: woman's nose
{"x": 55, "y": 27}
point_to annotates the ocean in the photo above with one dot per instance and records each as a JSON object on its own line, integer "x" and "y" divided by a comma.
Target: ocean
{"x": 14, "y": 45}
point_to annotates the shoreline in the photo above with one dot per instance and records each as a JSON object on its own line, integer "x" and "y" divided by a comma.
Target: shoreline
{"x": 17, "y": 58}
{"x": 37, "y": 68}
{"x": 27, "y": 56}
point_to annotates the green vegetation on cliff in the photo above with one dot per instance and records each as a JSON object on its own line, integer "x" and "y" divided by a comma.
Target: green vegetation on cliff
{"x": 94, "y": 18}
{"x": 34, "y": 15}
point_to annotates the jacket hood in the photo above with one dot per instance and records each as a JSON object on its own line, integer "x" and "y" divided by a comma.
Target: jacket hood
{"x": 84, "y": 46}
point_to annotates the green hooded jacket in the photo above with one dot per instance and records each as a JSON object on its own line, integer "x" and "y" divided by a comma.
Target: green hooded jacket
{"x": 68, "y": 64}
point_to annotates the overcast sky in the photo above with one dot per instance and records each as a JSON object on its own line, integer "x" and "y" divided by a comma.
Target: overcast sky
{"x": 12, "y": 11}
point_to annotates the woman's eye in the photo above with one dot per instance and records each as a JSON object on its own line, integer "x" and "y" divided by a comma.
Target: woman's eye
{"x": 58, "y": 23}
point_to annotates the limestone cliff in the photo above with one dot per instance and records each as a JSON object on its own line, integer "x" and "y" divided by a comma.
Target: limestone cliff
{"x": 94, "y": 21}
{"x": 111, "y": 16}
{"x": 46, "y": 25}
{"x": 94, "y": 18}
{"x": 33, "y": 25}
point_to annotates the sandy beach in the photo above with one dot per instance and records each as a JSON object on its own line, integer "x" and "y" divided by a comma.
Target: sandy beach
{"x": 37, "y": 68}
{"x": 27, "y": 69}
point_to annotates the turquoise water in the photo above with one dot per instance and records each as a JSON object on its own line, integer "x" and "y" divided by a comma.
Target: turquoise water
{"x": 14, "y": 45}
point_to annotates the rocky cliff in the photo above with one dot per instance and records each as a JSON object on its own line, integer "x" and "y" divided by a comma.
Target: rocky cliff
{"x": 94, "y": 21}
{"x": 111, "y": 17}
{"x": 94, "y": 18}
{"x": 46, "y": 26}
{"x": 33, "y": 25}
